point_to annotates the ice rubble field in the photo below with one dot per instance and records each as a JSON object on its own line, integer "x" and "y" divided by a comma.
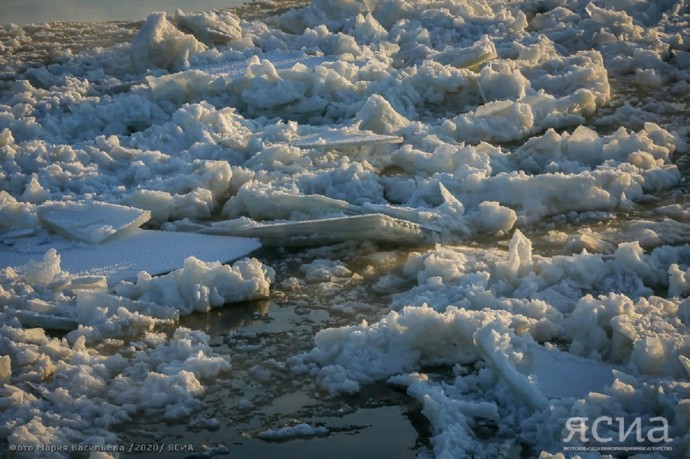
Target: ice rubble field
{"x": 418, "y": 122}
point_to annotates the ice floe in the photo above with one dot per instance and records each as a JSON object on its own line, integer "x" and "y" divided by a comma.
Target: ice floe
{"x": 364, "y": 228}
{"x": 92, "y": 223}
{"x": 156, "y": 252}
{"x": 338, "y": 139}
{"x": 297, "y": 431}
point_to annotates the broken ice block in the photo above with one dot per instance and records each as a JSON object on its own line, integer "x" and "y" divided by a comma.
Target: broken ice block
{"x": 536, "y": 374}
{"x": 91, "y": 308}
{"x": 371, "y": 227}
{"x": 280, "y": 60}
{"x": 495, "y": 349}
{"x": 269, "y": 204}
{"x": 93, "y": 223}
{"x": 33, "y": 319}
{"x": 472, "y": 57}
{"x": 90, "y": 305}
{"x": 335, "y": 138}
{"x": 221, "y": 73}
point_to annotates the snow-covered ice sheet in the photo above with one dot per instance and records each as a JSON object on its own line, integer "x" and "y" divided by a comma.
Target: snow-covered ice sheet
{"x": 156, "y": 252}
{"x": 93, "y": 222}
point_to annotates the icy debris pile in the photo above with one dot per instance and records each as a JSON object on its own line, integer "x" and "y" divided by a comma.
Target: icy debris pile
{"x": 43, "y": 291}
{"x": 70, "y": 394}
{"x": 72, "y": 391}
{"x": 159, "y": 376}
{"x": 199, "y": 286}
{"x": 533, "y": 341}
{"x": 462, "y": 86}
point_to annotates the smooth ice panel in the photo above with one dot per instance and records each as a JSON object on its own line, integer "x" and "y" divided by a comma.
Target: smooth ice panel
{"x": 373, "y": 227}
{"x": 93, "y": 223}
{"x": 155, "y": 252}
{"x": 329, "y": 138}
{"x": 561, "y": 375}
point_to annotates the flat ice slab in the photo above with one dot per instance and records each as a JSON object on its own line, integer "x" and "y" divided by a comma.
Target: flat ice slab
{"x": 562, "y": 375}
{"x": 156, "y": 252}
{"x": 333, "y": 138}
{"x": 371, "y": 227}
{"x": 93, "y": 223}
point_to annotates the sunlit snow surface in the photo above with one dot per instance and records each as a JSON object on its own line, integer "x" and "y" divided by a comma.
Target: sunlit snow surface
{"x": 521, "y": 170}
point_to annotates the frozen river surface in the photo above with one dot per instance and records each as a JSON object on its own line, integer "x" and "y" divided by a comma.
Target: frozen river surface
{"x": 23, "y": 12}
{"x": 474, "y": 217}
